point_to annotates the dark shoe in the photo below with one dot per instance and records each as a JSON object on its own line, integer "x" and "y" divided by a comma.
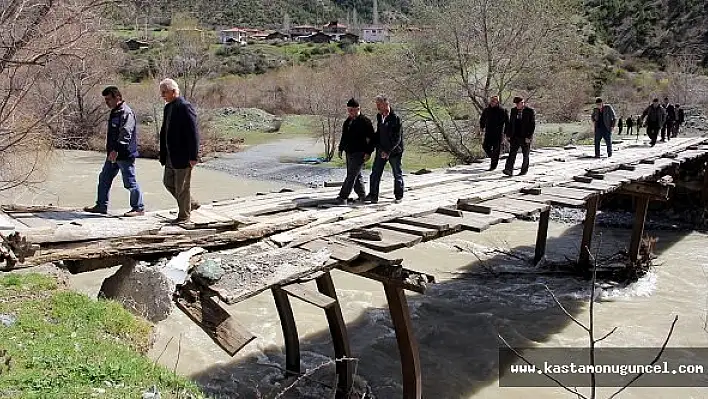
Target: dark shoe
{"x": 134, "y": 213}
{"x": 492, "y": 167}
{"x": 340, "y": 201}
{"x": 361, "y": 199}
{"x": 180, "y": 221}
{"x": 398, "y": 200}
{"x": 507, "y": 172}
{"x": 371, "y": 199}
{"x": 523, "y": 172}
{"x": 195, "y": 206}
{"x": 95, "y": 209}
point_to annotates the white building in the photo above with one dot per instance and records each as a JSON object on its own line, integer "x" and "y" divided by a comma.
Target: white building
{"x": 375, "y": 34}
{"x": 233, "y": 35}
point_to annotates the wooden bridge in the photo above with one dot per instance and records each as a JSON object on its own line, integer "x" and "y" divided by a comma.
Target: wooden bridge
{"x": 281, "y": 241}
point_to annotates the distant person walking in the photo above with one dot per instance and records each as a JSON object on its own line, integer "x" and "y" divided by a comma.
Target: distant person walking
{"x": 619, "y": 126}
{"x": 680, "y": 119}
{"x": 179, "y": 148}
{"x": 654, "y": 117}
{"x": 630, "y": 125}
{"x": 519, "y": 132}
{"x": 389, "y": 148}
{"x": 666, "y": 129}
{"x": 358, "y": 143}
{"x": 603, "y": 117}
{"x": 492, "y": 123}
{"x": 121, "y": 150}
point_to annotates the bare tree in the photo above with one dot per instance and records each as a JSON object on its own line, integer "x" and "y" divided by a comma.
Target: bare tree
{"x": 35, "y": 35}
{"x": 683, "y": 70}
{"x": 456, "y": 62}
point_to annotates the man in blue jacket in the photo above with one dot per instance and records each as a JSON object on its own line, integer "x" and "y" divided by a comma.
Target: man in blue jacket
{"x": 179, "y": 148}
{"x": 389, "y": 148}
{"x": 603, "y": 119}
{"x": 122, "y": 149}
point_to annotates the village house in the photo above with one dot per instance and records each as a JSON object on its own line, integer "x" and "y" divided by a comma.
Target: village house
{"x": 335, "y": 30}
{"x": 318, "y": 37}
{"x": 233, "y": 35}
{"x": 300, "y": 31}
{"x": 375, "y": 34}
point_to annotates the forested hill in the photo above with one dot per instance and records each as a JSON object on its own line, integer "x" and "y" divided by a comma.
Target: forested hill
{"x": 647, "y": 28}
{"x": 653, "y": 28}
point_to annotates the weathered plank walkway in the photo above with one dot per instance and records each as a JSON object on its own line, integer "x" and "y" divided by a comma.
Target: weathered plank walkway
{"x": 277, "y": 241}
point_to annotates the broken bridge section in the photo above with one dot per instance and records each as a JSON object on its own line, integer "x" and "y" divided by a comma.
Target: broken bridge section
{"x": 282, "y": 242}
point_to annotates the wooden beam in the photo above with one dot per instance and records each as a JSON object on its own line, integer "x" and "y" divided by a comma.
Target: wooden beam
{"x": 588, "y": 230}
{"x": 407, "y": 344}
{"x": 704, "y": 194}
{"x": 541, "y": 236}
{"x": 226, "y": 332}
{"x": 657, "y": 191}
{"x": 474, "y": 208}
{"x": 449, "y": 211}
{"x": 287, "y": 322}
{"x": 583, "y": 179}
{"x": 410, "y": 229}
{"x": 303, "y": 292}
{"x": 340, "y": 339}
{"x": 640, "y": 215}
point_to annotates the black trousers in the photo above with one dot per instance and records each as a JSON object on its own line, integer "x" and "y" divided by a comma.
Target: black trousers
{"x": 355, "y": 164}
{"x": 492, "y": 147}
{"x": 666, "y": 130}
{"x": 377, "y": 171}
{"x": 653, "y": 132}
{"x": 514, "y": 144}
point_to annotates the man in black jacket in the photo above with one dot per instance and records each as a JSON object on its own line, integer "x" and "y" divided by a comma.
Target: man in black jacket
{"x": 680, "y": 119}
{"x": 389, "y": 148}
{"x": 667, "y": 128}
{"x": 492, "y": 123}
{"x": 356, "y": 142}
{"x": 121, "y": 149}
{"x": 519, "y": 132}
{"x": 179, "y": 147}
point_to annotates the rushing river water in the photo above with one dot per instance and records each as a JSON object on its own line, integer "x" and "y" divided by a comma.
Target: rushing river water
{"x": 456, "y": 321}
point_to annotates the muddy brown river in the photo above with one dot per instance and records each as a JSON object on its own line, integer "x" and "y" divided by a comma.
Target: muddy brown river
{"x": 456, "y": 321}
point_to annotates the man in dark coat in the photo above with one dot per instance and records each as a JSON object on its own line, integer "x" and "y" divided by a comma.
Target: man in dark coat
{"x": 121, "y": 150}
{"x": 519, "y": 132}
{"x": 179, "y": 148}
{"x": 357, "y": 142}
{"x": 667, "y": 128}
{"x": 630, "y": 125}
{"x": 492, "y": 123}
{"x": 654, "y": 117}
{"x": 604, "y": 119}
{"x": 389, "y": 148}
{"x": 680, "y": 119}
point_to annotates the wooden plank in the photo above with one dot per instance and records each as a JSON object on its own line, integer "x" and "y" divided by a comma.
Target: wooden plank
{"x": 582, "y": 179}
{"x": 290, "y": 336}
{"x": 424, "y": 222}
{"x": 474, "y": 207}
{"x": 550, "y": 199}
{"x": 270, "y": 209}
{"x": 37, "y": 222}
{"x": 381, "y": 258}
{"x": 410, "y": 229}
{"x": 337, "y": 250}
{"x": 652, "y": 189}
{"x": 516, "y": 207}
{"x": 303, "y": 292}
{"x": 600, "y": 187}
{"x": 568, "y": 192}
{"x": 226, "y": 332}
{"x": 391, "y": 240}
{"x": 443, "y": 210}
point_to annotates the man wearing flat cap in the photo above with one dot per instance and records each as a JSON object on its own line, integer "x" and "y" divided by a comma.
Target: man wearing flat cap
{"x": 357, "y": 142}
{"x": 519, "y": 132}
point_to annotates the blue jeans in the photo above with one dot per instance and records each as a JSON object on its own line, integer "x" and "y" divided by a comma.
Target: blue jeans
{"x": 377, "y": 171}
{"x": 105, "y": 180}
{"x": 606, "y": 135}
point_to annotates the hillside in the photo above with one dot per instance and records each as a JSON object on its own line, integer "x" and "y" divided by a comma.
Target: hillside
{"x": 653, "y": 28}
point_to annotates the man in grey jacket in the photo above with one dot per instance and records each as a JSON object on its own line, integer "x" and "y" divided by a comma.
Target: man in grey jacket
{"x": 604, "y": 119}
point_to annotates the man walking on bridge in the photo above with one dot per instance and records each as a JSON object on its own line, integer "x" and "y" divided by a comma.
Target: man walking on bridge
{"x": 122, "y": 149}
{"x": 389, "y": 148}
{"x": 358, "y": 143}
{"x": 492, "y": 123}
{"x": 655, "y": 118}
{"x": 603, "y": 117}
{"x": 519, "y": 132}
{"x": 179, "y": 148}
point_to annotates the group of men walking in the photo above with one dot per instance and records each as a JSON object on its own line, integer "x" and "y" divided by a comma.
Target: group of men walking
{"x": 179, "y": 151}
{"x": 665, "y": 117}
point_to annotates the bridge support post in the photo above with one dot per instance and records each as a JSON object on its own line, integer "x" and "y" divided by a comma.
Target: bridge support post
{"x": 340, "y": 340}
{"x": 541, "y": 236}
{"x": 407, "y": 345}
{"x": 588, "y": 230}
{"x": 704, "y": 192}
{"x": 287, "y": 322}
{"x": 640, "y": 215}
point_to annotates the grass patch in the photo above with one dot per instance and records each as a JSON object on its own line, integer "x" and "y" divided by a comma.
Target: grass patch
{"x": 260, "y": 131}
{"x": 66, "y": 345}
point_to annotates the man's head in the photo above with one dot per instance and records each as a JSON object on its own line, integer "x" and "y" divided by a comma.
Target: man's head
{"x": 520, "y": 103}
{"x": 112, "y": 96}
{"x": 169, "y": 90}
{"x": 666, "y": 100}
{"x": 382, "y": 104}
{"x": 677, "y": 105}
{"x": 353, "y": 108}
{"x": 494, "y": 101}
{"x": 655, "y": 102}
{"x": 599, "y": 103}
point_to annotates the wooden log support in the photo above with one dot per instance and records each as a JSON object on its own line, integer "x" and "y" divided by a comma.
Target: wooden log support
{"x": 541, "y": 236}
{"x": 640, "y": 215}
{"x": 655, "y": 190}
{"x": 588, "y": 230}
{"x": 704, "y": 193}
{"x": 287, "y": 322}
{"x": 407, "y": 345}
{"x": 340, "y": 340}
